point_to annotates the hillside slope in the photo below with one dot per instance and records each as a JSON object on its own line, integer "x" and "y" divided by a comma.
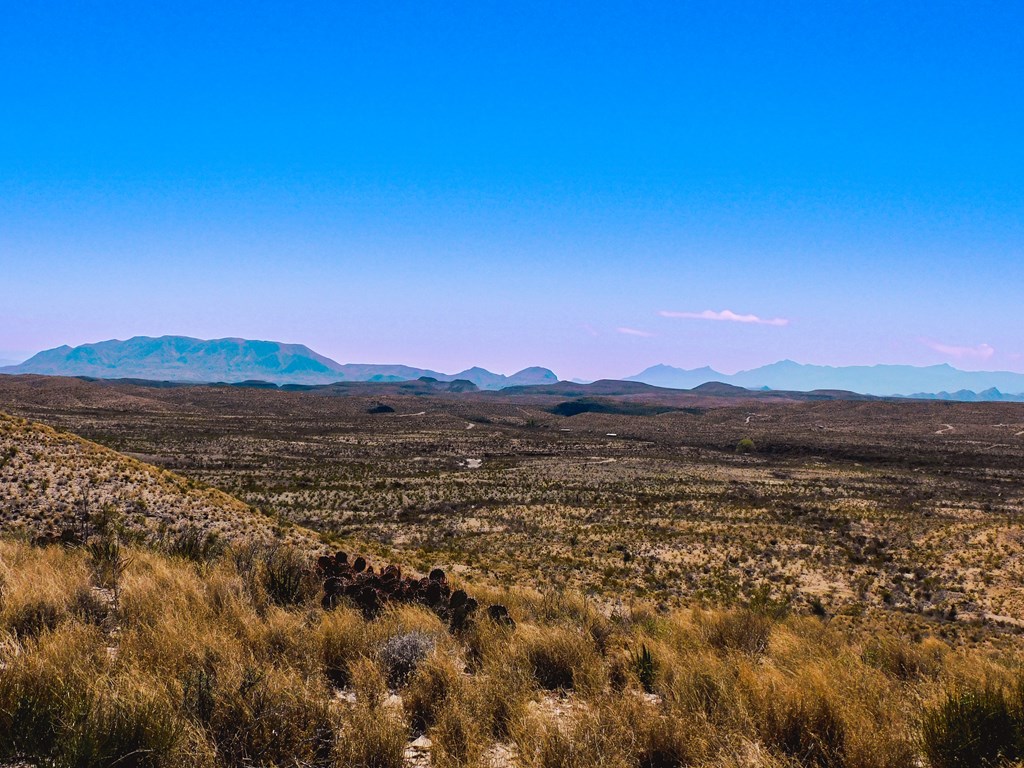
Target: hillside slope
{"x": 49, "y": 479}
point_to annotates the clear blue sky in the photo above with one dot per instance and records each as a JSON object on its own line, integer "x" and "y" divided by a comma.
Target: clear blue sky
{"x": 508, "y": 184}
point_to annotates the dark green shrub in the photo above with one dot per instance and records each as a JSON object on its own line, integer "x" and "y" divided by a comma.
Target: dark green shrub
{"x": 764, "y": 601}
{"x": 193, "y": 543}
{"x": 287, "y": 577}
{"x": 645, "y": 668}
{"x": 121, "y": 726}
{"x": 106, "y": 559}
{"x": 971, "y": 729}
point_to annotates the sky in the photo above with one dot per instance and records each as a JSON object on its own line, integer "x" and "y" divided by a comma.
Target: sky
{"x": 592, "y": 187}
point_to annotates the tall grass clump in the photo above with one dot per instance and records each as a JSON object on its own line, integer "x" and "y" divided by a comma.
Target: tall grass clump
{"x": 342, "y": 640}
{"x": 40, "y": 588}
{"x": 744, "y": 630}
{"x": 562, "y": 659}
{"x": 436, "y": 683}
{"x": 372, "y": 735}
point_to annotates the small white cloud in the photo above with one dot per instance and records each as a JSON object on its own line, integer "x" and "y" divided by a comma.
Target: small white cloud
{"x": 979, "y": 352}
{"x": 635, "y": 332}
{"x": 591, "y": 330}
{"x": 725, "y": 314}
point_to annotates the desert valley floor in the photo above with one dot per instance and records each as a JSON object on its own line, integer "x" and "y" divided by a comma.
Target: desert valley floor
{"x": 848, "y": 506}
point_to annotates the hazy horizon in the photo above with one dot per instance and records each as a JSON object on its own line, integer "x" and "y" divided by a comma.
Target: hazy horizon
{"x": 591, "y": 189}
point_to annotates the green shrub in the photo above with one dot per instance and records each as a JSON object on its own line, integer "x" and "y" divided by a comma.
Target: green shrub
{"x": 195, "y": 544}
{"x": 107, "y": 560}
{"x": 971, "y": 729}
{"x": 645, "y": 668}
{"x": 123, "y": 724}
{"x": 287, "y": 577}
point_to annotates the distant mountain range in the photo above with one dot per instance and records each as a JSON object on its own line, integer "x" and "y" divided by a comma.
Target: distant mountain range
{"x": 941, "y": 382}
{"x": 184, "y": 359}
{"x": 180, "y": 358}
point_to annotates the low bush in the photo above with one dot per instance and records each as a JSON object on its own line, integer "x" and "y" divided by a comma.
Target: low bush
{"x": 402, "y": 653}
{"x": 746, "y": 445}
{"x": 287, "y": 577}
{"x": 973, "y": 728}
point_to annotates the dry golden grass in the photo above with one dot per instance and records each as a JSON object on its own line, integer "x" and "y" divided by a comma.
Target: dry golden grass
{"x": 193, "y": 664}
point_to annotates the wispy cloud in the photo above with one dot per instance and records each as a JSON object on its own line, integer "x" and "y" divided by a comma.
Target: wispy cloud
{"x": 979, "y": 352}
{"x": 727, "y": 315}
{"x": 635, "y": 332}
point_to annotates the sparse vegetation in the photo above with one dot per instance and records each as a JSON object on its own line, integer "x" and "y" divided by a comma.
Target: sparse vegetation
{"x": 829, "y": 602}
{"x": 849, "y": 508}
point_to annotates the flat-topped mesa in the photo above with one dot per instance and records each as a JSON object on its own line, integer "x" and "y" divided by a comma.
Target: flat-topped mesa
{"x": 371, "y": 592}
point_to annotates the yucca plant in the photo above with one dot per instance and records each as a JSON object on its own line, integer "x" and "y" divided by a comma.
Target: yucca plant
{"x": 971, "y": 729}
{"x": 645, "y": 668}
